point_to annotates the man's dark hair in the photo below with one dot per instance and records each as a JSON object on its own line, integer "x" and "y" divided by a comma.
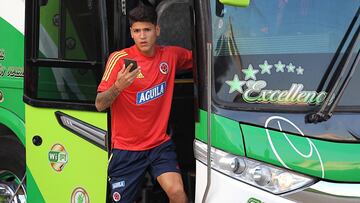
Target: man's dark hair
{"x": 143, "y": 13}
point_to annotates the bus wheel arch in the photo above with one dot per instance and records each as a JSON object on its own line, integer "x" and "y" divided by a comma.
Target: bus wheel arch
{"x": 12, "y": 166}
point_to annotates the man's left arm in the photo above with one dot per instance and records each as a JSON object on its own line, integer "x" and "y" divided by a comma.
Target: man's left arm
{"x": 184, "y": 59}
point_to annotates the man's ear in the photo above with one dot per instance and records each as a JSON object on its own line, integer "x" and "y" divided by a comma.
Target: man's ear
{"x": 157, "y": 28}
{"x": 131, "y": 33}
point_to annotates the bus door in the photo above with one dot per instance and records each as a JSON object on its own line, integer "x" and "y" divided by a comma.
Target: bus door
{"x": 66, "y": 138}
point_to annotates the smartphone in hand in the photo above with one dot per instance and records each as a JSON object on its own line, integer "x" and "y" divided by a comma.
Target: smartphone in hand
{"x": 128, "y": 62}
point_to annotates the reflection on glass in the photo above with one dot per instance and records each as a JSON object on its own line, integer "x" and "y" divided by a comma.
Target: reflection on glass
{"x": 68, "y": 30}
{"x": 276, "y": 52}
{"x": 66, "y": 84}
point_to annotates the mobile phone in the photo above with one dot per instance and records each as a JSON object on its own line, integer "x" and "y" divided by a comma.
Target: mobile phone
{"x": 128, "y": 62}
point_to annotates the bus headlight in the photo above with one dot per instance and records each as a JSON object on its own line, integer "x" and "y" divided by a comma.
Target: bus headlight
{"x": 265, "y": 176}
{"x": 261, "y": 175}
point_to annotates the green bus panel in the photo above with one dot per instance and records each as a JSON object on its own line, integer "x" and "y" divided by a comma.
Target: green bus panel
{"x": 65, "y": 167}
{"x": 324, "y": 159}
{"x": 226, "y": 134}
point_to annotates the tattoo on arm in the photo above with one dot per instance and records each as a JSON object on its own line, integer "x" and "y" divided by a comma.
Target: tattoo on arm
{"x": 106, "y": 98}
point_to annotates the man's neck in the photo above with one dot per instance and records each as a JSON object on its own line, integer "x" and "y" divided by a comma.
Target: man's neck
{"x": 149, "y": 53}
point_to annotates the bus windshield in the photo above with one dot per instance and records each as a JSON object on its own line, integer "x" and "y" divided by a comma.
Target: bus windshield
{"x": 277, "y": 52}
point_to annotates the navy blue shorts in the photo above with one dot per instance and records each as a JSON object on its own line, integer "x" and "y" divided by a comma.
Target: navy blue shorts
{"x": 127, "y": 169}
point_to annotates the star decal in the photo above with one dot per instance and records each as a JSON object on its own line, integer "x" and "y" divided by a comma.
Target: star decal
{"x": 299, "y": 70}
{"x": 290, "y": 68}
{"x": 279, "y": 67}
{"x": 250, "y": 83}
{"x": 265, "y": 68}
{"x": 250, "y": 72}
{"x": 235, "y": 84}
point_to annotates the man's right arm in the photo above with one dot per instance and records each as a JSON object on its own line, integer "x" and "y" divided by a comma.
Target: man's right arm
{"x": 106, "y": 98}
{"x": 123, "y": 80}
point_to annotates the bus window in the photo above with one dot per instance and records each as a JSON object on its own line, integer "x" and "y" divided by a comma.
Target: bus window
{"x": 66, "y": 60}
{"x": 174, "y": 19}
{"x": 68, "y": 30}
{"x": 277, "y": 52}
{"x": 349, "y": 98}
{"x": 73, "y": 84}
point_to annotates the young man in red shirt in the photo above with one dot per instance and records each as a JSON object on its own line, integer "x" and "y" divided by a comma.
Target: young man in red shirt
{"x": 140, "y": 102}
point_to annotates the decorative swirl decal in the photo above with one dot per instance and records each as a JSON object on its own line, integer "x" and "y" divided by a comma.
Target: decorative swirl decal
{"x": 311, "y": 144}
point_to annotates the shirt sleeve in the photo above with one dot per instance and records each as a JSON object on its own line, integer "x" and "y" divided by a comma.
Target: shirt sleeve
{"x": 113, "y": 66}
{"x": 184, "y": 58}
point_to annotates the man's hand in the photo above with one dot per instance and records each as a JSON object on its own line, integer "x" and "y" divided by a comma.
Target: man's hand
{"x": 125, "y": 77}
{"x": 123, "y": 80}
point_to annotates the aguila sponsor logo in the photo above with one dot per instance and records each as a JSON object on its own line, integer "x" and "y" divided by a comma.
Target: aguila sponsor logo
{"x": 150, "y": 94}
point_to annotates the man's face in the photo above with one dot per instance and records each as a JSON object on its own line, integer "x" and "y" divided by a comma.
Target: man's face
{"x": 144, "y": 35}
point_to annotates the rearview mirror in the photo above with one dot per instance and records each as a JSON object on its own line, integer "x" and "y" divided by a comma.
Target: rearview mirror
{"x": 239, "y": 3}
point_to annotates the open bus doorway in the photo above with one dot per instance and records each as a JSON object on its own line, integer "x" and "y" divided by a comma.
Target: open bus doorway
{"x": 176, "y": 24}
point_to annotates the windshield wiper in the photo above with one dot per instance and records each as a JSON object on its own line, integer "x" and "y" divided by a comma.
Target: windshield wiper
{"x": 325, "y": 113}
{"x": 337, "y": 53}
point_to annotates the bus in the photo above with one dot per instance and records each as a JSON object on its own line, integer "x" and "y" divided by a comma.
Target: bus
{"x": 270, "y": 112}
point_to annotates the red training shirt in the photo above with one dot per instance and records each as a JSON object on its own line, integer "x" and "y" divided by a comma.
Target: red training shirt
{"x": 141, "y": 111}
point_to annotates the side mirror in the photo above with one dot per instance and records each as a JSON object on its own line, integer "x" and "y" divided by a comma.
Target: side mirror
{"x": 238, "y": 3}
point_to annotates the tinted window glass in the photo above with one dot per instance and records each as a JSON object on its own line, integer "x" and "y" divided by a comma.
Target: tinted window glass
{"x": 68, "y": 30}
{"x": 174, "y": 19}
{"x": 277, "y": 52}
{"x": 66, "y": 84}
{"x": 68, "y": 61}
{"x": 351, "y": 96}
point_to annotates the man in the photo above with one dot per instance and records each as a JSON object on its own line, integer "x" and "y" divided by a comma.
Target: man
{"x": 140, "y": 102}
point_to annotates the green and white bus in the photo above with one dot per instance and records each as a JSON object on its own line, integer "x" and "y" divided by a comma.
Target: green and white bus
{"x": 270, "y": 113}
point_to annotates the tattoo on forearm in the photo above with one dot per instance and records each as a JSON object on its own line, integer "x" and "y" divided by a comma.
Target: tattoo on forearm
{"x": 106, "y": 98}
